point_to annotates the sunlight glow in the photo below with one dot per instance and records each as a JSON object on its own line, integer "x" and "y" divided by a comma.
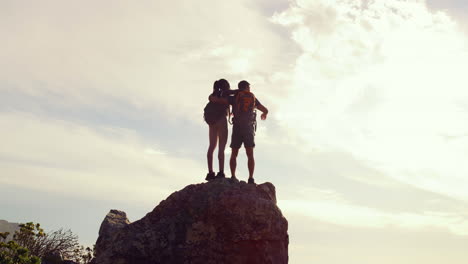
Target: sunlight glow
{"x": 386, "y": 85}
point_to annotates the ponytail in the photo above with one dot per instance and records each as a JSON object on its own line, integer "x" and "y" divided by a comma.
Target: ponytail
{"x": 223, "y": 85}
{"x": 216, "y": 88}
{"x": 220, "y": 86}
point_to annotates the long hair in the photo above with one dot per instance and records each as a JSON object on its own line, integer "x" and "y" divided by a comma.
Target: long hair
{"x": 216, "y": 88}
{"x": 223, "y": 85}
{"x": 220, "y": 86}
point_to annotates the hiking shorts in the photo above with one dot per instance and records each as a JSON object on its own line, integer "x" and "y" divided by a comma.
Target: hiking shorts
{"x": 243, "y": 134}
{"x": 220, "y": 125}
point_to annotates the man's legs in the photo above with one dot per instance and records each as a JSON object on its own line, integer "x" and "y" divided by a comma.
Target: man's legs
{"x": 250, "y": 161}
{"x": 233, "y": 161}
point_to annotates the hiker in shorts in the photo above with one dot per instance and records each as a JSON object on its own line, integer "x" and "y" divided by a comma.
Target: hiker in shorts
{"x": 216, "y": 116}
{"x": 244, "y": 105}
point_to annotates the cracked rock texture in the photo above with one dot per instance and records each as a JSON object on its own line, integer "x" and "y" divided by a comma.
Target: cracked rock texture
{"x": 222, "y": 221}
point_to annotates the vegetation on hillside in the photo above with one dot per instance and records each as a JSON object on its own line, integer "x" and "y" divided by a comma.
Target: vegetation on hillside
{"x": 31, "y": 245}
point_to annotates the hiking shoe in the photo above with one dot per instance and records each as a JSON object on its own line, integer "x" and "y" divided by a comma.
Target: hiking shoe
{"x": 234, "y": 179}
{"x": 220, "y": 175}
{"x": 251, "y": 181}
{"x": 210, "y": 176}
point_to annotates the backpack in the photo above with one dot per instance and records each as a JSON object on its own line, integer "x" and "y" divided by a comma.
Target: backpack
{"x": 244, "y": 108}
{"x": 213, "y": 112}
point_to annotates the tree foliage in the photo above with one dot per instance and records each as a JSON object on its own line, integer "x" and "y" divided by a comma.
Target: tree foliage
{"x": 30, "y": 244}
{"x": 12, "y": 253}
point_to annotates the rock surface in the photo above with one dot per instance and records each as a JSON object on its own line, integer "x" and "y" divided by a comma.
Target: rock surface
{"x": 222, "y": 221}
{"x": 113, "y": 221}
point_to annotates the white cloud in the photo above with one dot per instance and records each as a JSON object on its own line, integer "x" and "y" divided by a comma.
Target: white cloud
{"x": 339, "y": 212}
{"x": 382, "y": 81}
{"x": 93, "y": 163}
{"x": 149, "y": 54}
{"x": 330, "y": 206}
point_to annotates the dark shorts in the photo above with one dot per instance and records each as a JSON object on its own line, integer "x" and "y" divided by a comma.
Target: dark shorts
{"x": 243, "y": 134}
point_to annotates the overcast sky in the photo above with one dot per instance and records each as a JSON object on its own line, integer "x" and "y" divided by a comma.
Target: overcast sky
{"x": 101, "y": 108}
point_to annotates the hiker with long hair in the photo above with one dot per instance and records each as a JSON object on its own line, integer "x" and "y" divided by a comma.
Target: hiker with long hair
{"x": 244, "y": 105}
{"x": 216, "y": 117}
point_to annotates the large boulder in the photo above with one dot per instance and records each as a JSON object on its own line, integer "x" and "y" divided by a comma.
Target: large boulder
{"x": 222, "y": 221}
{"x": 113, "y": 221}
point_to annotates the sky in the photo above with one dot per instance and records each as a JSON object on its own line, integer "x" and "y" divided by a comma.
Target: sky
{"x": 101, "y": 108}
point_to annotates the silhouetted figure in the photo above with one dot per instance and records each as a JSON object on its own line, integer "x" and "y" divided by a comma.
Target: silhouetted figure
{"x": 243, "y": 104}
{"x": 216, "y": 116}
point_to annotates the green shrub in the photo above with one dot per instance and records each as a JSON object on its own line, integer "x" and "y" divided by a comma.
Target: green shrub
{"x": 30, "y": 244}
{"x": 12, "y": 253}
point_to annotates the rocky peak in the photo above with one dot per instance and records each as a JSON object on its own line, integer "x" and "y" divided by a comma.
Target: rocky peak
{"x": 223, "y": 221}
{"x": 114, "y": 220}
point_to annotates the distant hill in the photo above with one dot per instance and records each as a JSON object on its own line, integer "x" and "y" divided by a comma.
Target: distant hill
{"x": 6, "y": 226}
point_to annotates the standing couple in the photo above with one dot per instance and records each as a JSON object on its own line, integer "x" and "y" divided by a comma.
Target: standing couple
{"x": 217, "y": 112}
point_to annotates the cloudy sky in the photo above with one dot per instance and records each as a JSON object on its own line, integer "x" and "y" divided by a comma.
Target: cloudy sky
{"x": 366, "y": 142}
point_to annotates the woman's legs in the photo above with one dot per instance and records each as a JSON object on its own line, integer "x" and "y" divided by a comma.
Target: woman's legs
{"x": 213, "y": 138}
{"x": 223, "y": 135}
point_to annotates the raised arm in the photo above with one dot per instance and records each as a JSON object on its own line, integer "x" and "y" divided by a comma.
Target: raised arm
{"x": 219, "y": 100}
{"x": 264, "y": 111}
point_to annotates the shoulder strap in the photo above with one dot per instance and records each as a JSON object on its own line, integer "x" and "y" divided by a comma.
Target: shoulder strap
{"x": 237, "y": 99}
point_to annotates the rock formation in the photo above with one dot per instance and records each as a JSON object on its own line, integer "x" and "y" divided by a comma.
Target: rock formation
{"x": 223, "y": 221}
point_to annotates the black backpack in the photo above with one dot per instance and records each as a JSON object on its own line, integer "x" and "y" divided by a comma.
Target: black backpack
{"x": 213, "y": 112}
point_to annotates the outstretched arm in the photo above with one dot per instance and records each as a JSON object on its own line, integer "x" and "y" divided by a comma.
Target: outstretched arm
{"x": 264, "y": 111}
{"x": 219, "y": 100}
